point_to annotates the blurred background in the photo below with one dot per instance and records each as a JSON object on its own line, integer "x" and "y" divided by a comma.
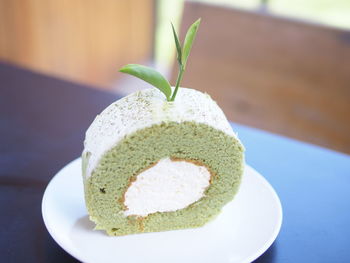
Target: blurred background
{"x": 278, "y": 65}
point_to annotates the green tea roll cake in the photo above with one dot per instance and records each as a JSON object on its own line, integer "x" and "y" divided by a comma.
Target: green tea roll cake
{"x": 153, "y": 165}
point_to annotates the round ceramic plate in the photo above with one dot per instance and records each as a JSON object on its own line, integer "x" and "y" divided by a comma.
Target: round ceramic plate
{"x": 246, "y": 227}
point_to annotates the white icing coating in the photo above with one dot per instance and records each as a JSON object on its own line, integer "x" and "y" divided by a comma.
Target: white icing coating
{"x": 167, "y": 186}
{"x": 146, "y": 108}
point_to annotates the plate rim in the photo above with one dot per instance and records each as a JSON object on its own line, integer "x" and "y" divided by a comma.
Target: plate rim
{"x": 72, "y": 251}
{"x": 273, "y": 237}
{"x": 52, "y": 233}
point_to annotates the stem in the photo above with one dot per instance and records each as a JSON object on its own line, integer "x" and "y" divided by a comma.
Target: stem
{"x": 179, "y": 78}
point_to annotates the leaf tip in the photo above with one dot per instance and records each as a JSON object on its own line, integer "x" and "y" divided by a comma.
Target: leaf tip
{"x": 124, "y": 69}
{"x": 197, "y": 22}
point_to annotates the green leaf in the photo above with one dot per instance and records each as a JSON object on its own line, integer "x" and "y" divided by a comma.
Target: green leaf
{"x": 190, "y": 36}
{"x": 149, "y": 75}
{"x": 178, "y": 46}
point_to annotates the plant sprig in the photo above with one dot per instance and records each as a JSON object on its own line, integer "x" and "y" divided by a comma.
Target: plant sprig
{"x": 156, "y": 79}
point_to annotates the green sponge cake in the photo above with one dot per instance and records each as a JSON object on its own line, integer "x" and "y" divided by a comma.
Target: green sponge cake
{"x": 154, "y": 165}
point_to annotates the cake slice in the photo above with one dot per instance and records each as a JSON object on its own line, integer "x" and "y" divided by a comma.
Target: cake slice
{"x": 154, "y": 163}
{"x": 150, "y": 165}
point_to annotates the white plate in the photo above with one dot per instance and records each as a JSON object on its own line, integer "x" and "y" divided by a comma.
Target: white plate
{"x": 245, "y": 229}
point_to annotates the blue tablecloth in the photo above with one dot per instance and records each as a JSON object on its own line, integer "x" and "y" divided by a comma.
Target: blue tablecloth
{"x": 313, "y": 184}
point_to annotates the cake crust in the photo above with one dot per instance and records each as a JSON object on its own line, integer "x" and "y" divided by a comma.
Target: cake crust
{"x": 146, "y": 108}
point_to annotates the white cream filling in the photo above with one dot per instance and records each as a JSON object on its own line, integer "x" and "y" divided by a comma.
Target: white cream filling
{"x": 167, "y": 186}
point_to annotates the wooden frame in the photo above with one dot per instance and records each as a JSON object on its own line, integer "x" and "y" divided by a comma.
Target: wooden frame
{"x": 284, "y": 76}
{"x": 85, "y": 41}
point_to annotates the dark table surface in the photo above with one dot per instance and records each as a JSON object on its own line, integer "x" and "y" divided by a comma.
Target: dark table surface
{"x": 42, "y": 126}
